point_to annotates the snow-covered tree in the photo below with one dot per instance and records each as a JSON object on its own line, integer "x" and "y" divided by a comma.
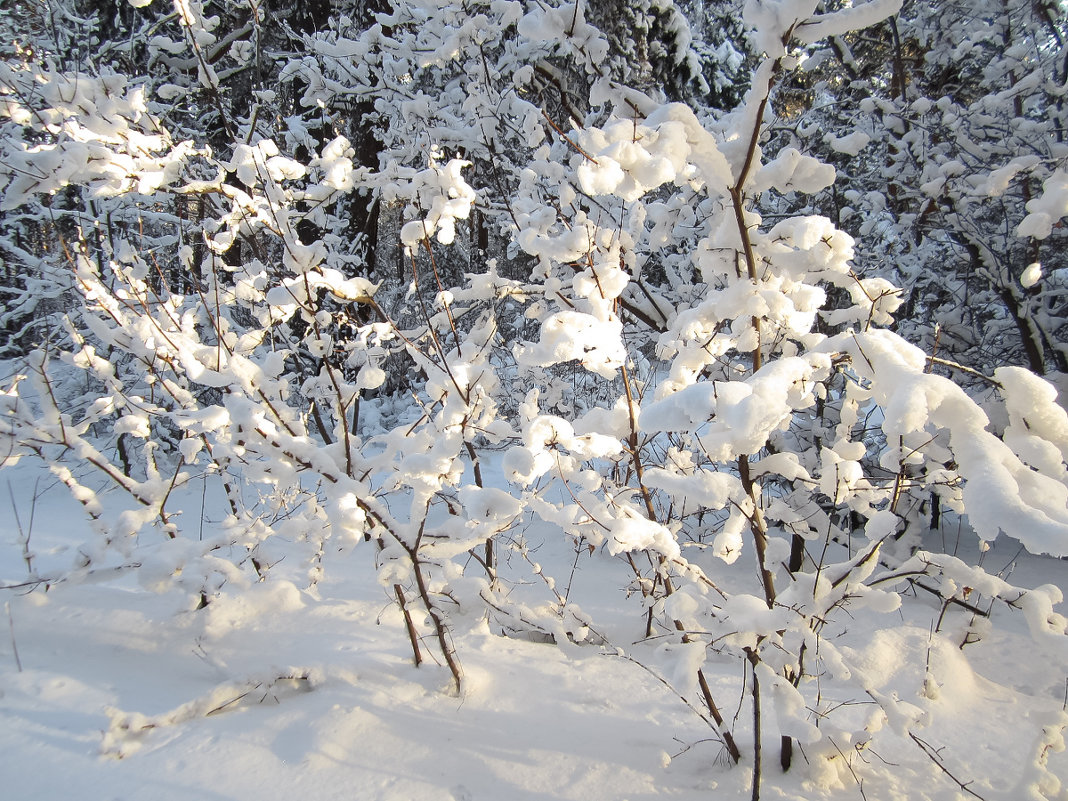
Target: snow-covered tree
{"x": 947, "y": 123}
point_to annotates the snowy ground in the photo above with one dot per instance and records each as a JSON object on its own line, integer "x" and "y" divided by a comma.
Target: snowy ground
{"x": 108, "y": 691}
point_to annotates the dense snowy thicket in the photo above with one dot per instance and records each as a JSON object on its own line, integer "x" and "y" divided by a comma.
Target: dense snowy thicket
{"x": 408, "y": 280}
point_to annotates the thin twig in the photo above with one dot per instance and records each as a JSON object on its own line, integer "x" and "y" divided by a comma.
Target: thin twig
{"x": 564, "y": 136}
{"x": 11, "y": 628}
{"x": 671, "y": 689}
{"x": 935, "y": 757}
{"x": 964, "y": 369}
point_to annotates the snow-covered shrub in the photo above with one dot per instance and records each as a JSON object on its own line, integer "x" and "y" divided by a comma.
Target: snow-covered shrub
{"x": 756, "y": 457}
{"x": 745, "y": 419}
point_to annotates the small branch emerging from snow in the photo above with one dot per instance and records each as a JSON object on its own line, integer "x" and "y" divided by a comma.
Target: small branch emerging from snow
{"x": 719, "y": 729}
{"x": 964, "y": 369}
{"x": 11, "y": 628}
{"x": 936, "y": 757}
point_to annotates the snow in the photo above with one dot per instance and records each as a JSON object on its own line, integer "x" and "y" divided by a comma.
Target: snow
{"x": 1031, "y": 275}
{"x": 632, "y": 532}
{"x": 851, "y": 18}
{"x": 792, "y": 171}
{"x": 1047, "y": 209}
{"x": 1038, "y": 424}
{"x": 1001, "y": 492}
{"x": 850, "y": 144}
{"x": 444, "y": 196}
{"x": 278, "y": 690}
{"x": 578, "y": 526}
{"x": 630, "y": 161}
{"x": 574, "y": 335}
{"x": 740, "y": 415}
{"x": 566, "y": 26}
